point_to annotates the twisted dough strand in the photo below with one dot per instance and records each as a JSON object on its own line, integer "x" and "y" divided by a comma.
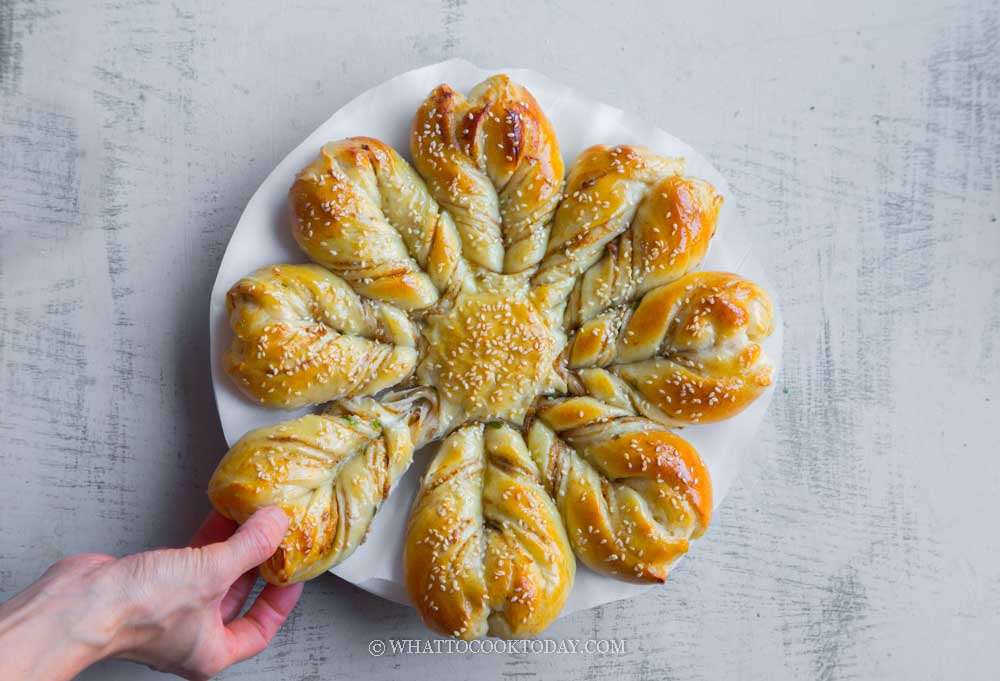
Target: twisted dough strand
{"x": 630, "y": 492}
{"x": 329, "y": 472}
{"x": 492, "y": 160}
{"x": 360, "y": 210}
{"x": 668, "y": 237}
{"x": 603, "y": 191}
{"x": 687, "y": 354}
{"x": 485, "y": 550}
{"x": 302, "y": 336}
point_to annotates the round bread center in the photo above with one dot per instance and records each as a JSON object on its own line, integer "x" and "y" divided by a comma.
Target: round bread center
{"x": 489, "y": 355}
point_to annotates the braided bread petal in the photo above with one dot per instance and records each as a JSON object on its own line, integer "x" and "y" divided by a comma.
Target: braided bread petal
{"x": 492, "y": 160}
{"x": 687, "y": 354}
{"x": 329, "y": 473}
{"x": 668, "y": 237}
{"x": 630, "y": 492}
{"x": 603, "y": 191}
{"x": 360, "y": 210}
{"x": 302, "y": 336}
{"x": 485, "y": 549}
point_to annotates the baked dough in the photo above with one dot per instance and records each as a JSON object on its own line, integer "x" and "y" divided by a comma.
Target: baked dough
{"x": 361, "y": 211}
{"x": 630, "y": 492}
{"x": 301, "y": 336}
{"x": 491, "y": 160}
{"x": 485, "y": 550}
{"x": 329, "y": 472}
{"x": 491, "y": 354}
{"x": 668, "y": 233}
{"x": 688, "y": 353}
{"x": 603, "y": 191}
{"x": 554, "y": 365}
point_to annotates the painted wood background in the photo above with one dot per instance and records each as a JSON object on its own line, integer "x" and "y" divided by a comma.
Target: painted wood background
{"x": 862, "y": 141}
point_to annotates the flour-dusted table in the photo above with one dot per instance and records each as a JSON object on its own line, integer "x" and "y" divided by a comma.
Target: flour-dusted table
{"x": 862, "y": 141}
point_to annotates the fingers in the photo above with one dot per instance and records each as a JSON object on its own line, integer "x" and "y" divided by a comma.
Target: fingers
{"x": 254, "y": 542}
{"x": 215, "y": 528}
{"x": 237, "y": 595}
{"x": 251, "y": 633}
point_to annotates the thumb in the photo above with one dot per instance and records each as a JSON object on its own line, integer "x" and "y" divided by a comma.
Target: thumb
{"x": 255, "y": 541}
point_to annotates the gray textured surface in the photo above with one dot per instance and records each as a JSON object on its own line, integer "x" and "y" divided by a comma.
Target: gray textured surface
{"x": 863, "y": 146}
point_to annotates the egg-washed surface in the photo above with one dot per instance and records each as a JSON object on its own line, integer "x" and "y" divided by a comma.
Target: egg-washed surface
{"x": 552, "y": 333}
{"x": 490, "y": 355}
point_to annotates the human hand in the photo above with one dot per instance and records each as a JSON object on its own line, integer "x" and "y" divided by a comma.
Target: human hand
{"x": 184, "y": 602}
{"x": 172, "y": 609}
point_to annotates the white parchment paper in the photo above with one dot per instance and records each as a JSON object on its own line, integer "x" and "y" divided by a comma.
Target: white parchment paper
{"x": 262, "y": 237}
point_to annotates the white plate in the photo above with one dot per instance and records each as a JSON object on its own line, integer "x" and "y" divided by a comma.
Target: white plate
{"x": 263, "y": 237}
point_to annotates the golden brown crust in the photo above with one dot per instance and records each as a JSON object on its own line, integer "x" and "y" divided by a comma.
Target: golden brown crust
{"x": 329, "y": 473}
{"x": 687, "y": 354}
{"x": 603, "y": 191}
{"x": 485, "y": 550}
{"x": 360, "y": 210}
{"x": 302, "y": 336}
{"x": 492, "y": 160}
{"x": 630, "y": 492}
{"x": 668, "y": 237}
{"x": 490, "y": 355}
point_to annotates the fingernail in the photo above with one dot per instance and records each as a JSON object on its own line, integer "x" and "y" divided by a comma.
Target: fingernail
{"x": 277, "y": 513}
